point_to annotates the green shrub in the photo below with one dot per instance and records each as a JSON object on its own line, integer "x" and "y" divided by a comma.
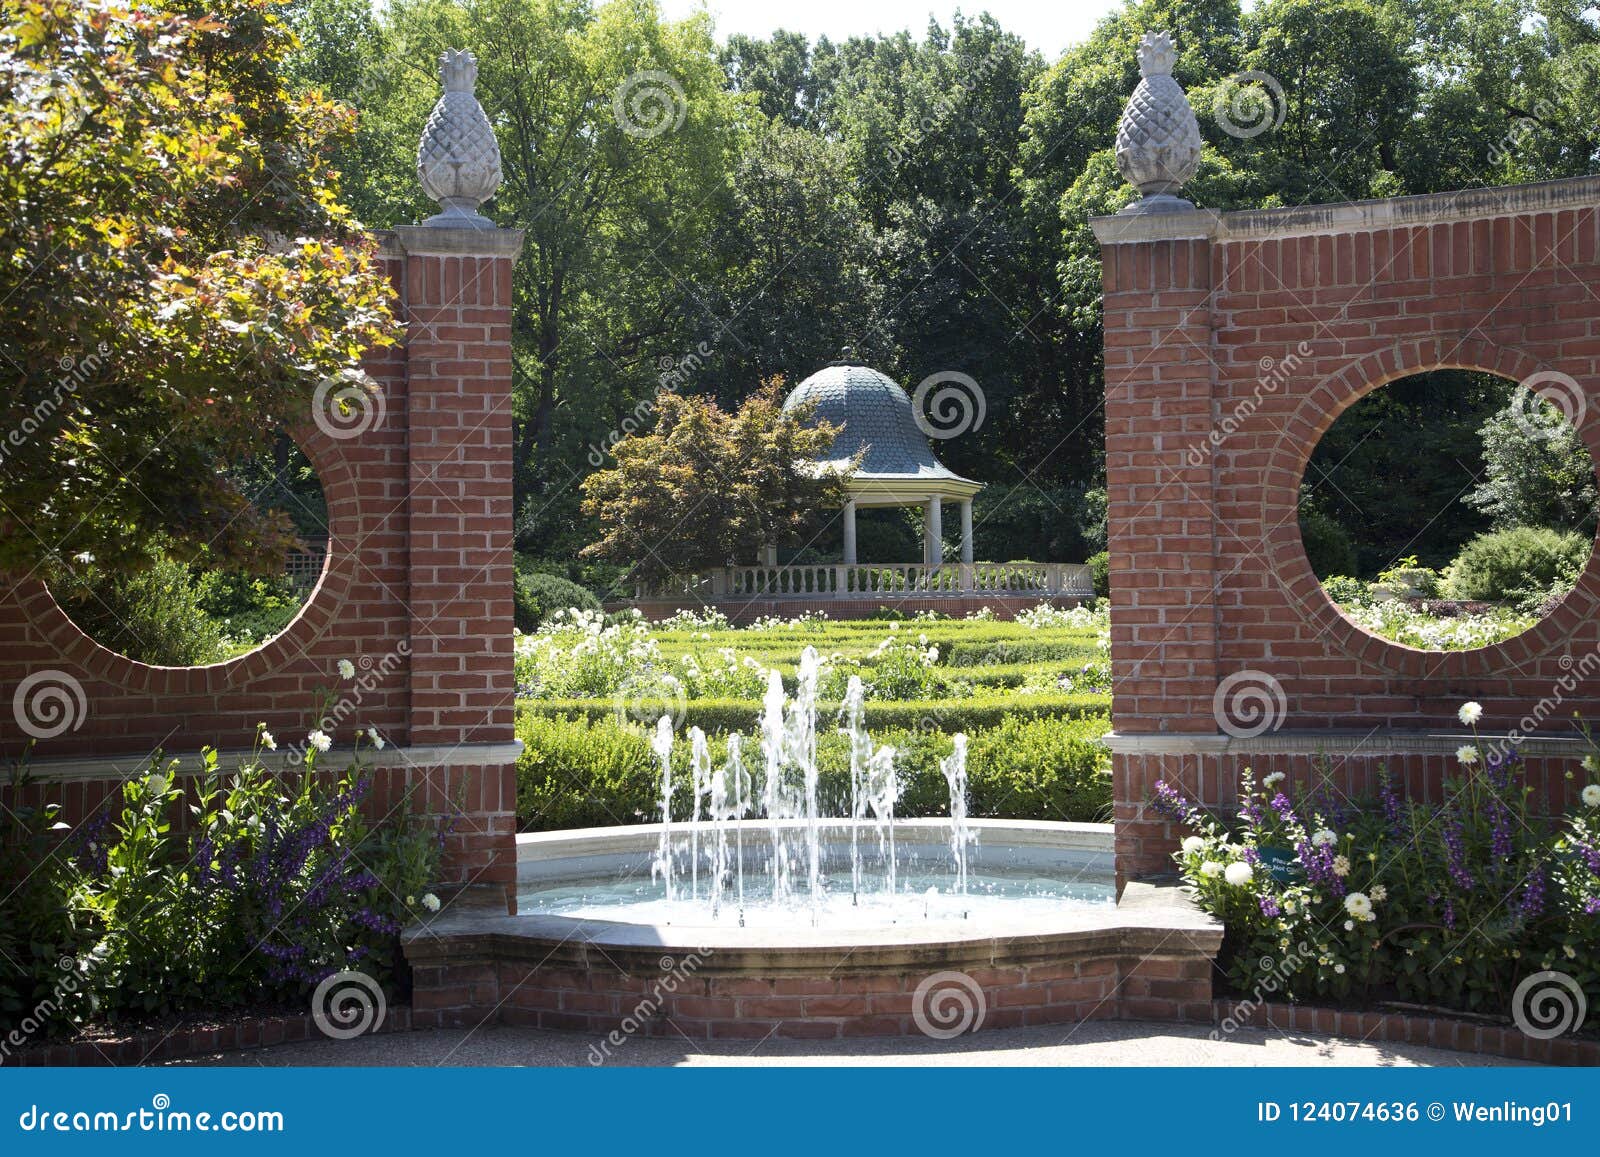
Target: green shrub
{"x": 718, "y": 716}
{"x": 39, "y": 927}
{"x": 249, "y": 608}
{"x": 538, "y": 595}
{"x": 1346, "y": 591}
{"x": 1513, "y": 566}
{"x": 1043, "y": 769}
{"x": 154, "y": 616}
{"x": 594, "y": 771}
{"x": 1100, "y": 571}
{"x": 1328, "y": 546}
{"x": 275, "y": 883}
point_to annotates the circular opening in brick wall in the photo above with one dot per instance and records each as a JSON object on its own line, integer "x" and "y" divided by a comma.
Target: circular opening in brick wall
{"x": 1453, "y": 509}
{"x": 190, "y": 612}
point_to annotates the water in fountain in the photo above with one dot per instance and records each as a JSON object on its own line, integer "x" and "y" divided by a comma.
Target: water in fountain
{"x": 661, "y": 744}
{"x": 887, "y": 882}
{"x": 954, "y": 767}
{"x": 700, "y": 783}
{"x": 730, "y": 801}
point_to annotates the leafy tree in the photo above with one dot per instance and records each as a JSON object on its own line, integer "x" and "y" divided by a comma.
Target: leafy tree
{"x": 709, "y": 488}
{"x": 1537, "y": 471}
{"x": 178, "y": 275}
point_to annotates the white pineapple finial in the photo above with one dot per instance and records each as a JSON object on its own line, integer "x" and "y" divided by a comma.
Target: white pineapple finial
{"x": 458, "y": 159}
{"x": 458, "y": 69}
{"x": 1158, "y": 139}
{"x": 1156, "y": 54}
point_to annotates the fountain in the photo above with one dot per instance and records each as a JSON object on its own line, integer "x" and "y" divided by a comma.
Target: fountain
{"x": 897, "y": 874}
{"x": 772, "y": 899}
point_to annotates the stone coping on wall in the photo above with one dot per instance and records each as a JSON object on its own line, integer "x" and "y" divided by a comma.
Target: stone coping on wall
{"x": 1376, "y": 743}
{"x": 420, "y": 756}
{"x": 443, "y": 241}
{"x": 1351, "y": 216}
{"x": 1148, "y": 917}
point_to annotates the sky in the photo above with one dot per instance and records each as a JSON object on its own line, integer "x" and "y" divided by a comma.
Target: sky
{"x": 1047, "y": 25}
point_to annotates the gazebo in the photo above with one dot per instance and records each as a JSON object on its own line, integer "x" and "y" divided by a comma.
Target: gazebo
{"x": 897, "y": 467}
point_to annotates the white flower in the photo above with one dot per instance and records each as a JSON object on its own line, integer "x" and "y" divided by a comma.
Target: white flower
{"x": 430, "y": 902}
{"x": 1359, "y": 905}
{"x": 411, "y": 901}
{"x": 1273, "y": 780}
{"x": 347, "y": 669}
{"x": 1470, "y": 713}
{"x": 1211, "y": 868}
{"x": 1379, "y": 893}
{"x": 1467, "y": 754}
{"x": 1349, "y": 925}
{"x": 1238, "y": 874}
{"x": 1571, "y": 953}
{"x": 377, "y": 740}
{"x": 1339, "y": 968}
{"x": 1192, "y": 844}
{"x": 1322, "y": 837}
{"x": 158, "y": 784}
{"x": 1591, "y": 795}
{"x": 268, "y": 742}
{"x": 319, "y": 739}
{"x": 1341, "y": 866}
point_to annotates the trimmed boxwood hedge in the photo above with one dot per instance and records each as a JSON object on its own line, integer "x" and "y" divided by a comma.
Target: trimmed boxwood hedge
{"x": 949, "y": 716}
{"x": 582, "y": 770}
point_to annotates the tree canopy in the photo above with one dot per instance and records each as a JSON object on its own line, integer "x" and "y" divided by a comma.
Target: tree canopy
{"x": 922, "y": 197}
{"x": 177, "y": 274}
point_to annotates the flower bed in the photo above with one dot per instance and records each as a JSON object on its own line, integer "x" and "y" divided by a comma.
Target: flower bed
{"x": 1446, "y": 905}
{"x": 229, "y": 891}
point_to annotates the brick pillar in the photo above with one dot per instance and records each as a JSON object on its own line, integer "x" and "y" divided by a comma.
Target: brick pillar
{"x": 458, "y": 512}
{"x": 1160, "y": 379}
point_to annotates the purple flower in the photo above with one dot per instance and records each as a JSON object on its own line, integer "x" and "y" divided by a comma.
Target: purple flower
{"x": 1455, "y": 853}
{"x": 1532, "y": 902}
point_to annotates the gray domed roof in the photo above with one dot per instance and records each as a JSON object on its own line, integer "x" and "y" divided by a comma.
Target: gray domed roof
{"x": 877, "y": 418}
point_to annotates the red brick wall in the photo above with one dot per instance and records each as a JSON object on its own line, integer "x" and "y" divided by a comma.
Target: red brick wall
{"x": 1228, "y": 355}
{"x": 416, "y": 590}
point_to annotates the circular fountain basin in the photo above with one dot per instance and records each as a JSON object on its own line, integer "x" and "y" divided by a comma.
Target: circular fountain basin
{"x": 1041, "y": 936}
{"x": 1019, "y": 875}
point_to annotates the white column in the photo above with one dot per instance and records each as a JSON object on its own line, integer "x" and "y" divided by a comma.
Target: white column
{"x": 935, "y": 532}
{"x": 966, "y": 530}
{"x": 850, "y": 532}
{"x": 769, "y": 555}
